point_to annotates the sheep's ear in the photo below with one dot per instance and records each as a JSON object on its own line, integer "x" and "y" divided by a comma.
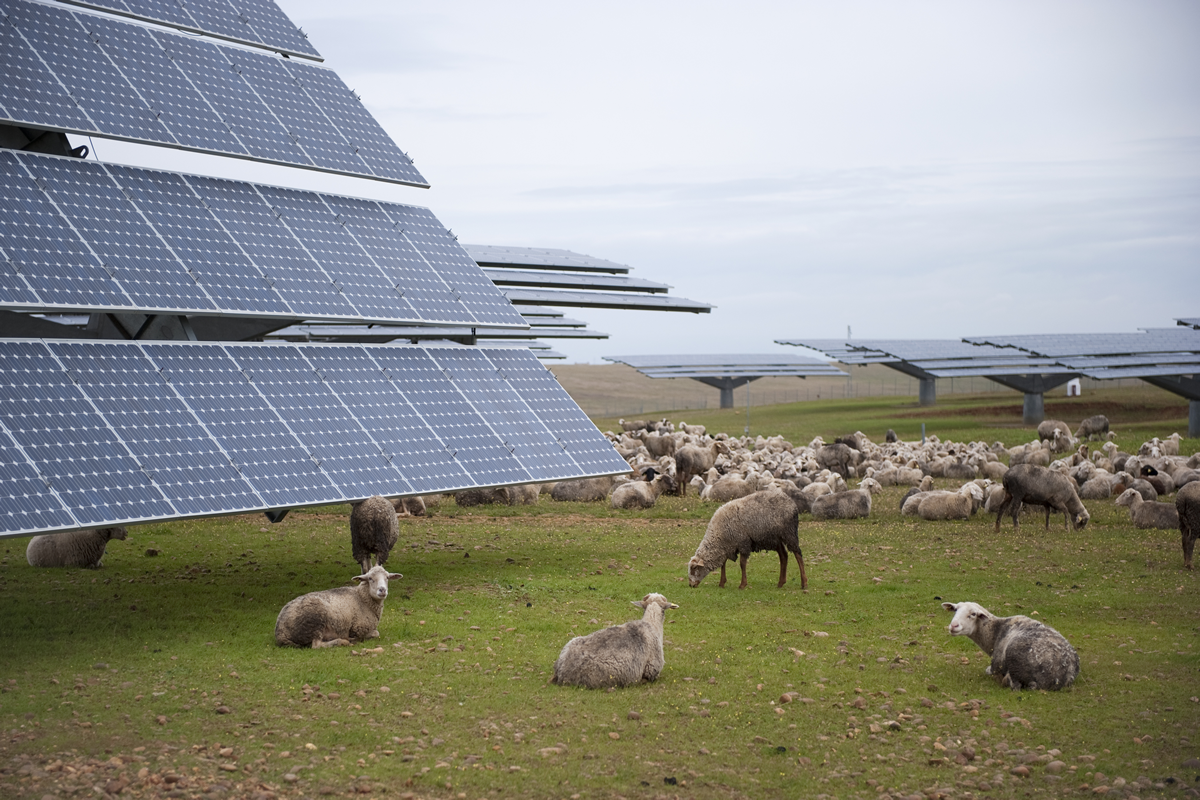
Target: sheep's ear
{"x": 393, "y": 575}
{"x": 639, "y": 603}
{"x": 949, "y": 606}
{"x": 359, "y": 578}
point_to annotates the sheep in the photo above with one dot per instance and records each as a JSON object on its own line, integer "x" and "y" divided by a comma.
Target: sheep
{"x": 409, "y": 506}
{"x": 1026, "y": 654}
{"x": 335, "y": 616}
{"x": 839, "y": 458}
{"x": 1046, "y": 429}
{"x": 993, "y": 469}
{"x": 1149, "y": 515}
{"x": 1092, "y": 426}
{"x": 846, "y": 505}
{"x": 71, "y": 549}
{"x": 582, "y": 490}
{"x": 1096, "y": 488}
{"x": 467, "y": 498}
{"x": 757, "y": 522}
{"x": 622, "y": 655}
{"x": 692, "y": 459}
{"x": 525, "y": 494}
{"x": 951, "y": 505}
{"x": 1027, "y": 484}
{"x": 373, "y": 530}
{"x": 642, "y": 494}
{"x": 1187, "y": 503}
{"x": 1126, "y": 481}
{"x": 890, "y": 436}
{"x": 1162, "y": 482}
{"x": 692, "y": 430}
{"x": 659, "y": 445}
{"x": 729, "y": 487}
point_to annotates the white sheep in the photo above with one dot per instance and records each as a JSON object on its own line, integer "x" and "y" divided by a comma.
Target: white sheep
{"x": 851, "y": 504}
{"x": 374, "y": 531}
{"x": 1149, "y": 514}
{"x": 618, "y": 656}
{"x": 949, "y": 505}
{"x": 760, "y": 521}
{"x": 71, "y": 549}
{"x": 641, "y": 494}
{"x": 335, "y": 616}
{"x": 1026, "y": 654}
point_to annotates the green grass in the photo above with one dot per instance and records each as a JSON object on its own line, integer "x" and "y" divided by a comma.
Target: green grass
{"x": 132, "y": 667}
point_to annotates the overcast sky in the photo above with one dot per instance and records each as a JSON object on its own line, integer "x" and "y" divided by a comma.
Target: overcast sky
{"x": 911, "y": 170}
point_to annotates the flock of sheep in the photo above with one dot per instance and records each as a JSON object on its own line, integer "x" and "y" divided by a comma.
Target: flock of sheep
{"x": 764, "y": 485}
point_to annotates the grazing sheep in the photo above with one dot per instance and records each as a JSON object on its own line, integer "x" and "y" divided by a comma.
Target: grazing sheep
{"x": 692, "y": 430}
{"x": 335, "y": 616}
{"x": 839, "y": 458}
{"x": 642, "y": 494}
{"x": 373, "y": 531}
{"x": 1187, "y": 503}
{"x": 1092, "y": 426}
{"x": 582, "y": 490}
{"x": 618, "y": 656}
{"x": 1163, "y": 516}
{"x": 1046, "y": 429}
{"x": 890, "y": 436}
{"x": 761, "y": 521}
{"x": 846, "y": 505}
{"x": 1026, "y": 654}
{"x": 1027, "y": 484}
{"x": 71, "y": 549}
{"x": 659, "y": 445}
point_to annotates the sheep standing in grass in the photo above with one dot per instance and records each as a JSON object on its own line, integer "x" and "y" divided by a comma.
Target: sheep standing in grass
{"x": 373, "y": 531}
{"x": 71, "y": 549}
{"x": 1092, "y": 426}
{"x": 760, "y": 521}
{"x": 618, "y": 656}
{"x": 1027, "y": 484}
{"x": 335, "y": 616}
{"x": 1026, "y": 654}
{"x": 692, "y": 459}
{"x": 1153, "y": 514}
{"x": 1187, "y": 503}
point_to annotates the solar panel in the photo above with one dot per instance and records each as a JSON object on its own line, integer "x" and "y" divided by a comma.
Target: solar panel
{"x": 87, "y": 236}
{"x": 92, "y": 75}
{"x": 541, "y": 258}
{"x": 1191, "y": 322}
{"x": 926, "y": 349}
{"x": 254, "y": 22}
{"x": 1083, "y": 344}
{"x": 99, "y": 433}
{"x": 604, "y": 300}
{"x": 551, "y": 280}
{"x": 718, "y": 360}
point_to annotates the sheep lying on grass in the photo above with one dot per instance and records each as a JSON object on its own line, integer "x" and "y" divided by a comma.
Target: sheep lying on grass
{"x": 618, "y": 656}
{"x": 852, "y": 504}
{"x": 1026, "y": 654}
{"x": 1026, "y": 484}
{"x": 762, "y": 521}
{"x": 1163, "y": 516}
{"x": 373, "y": 531}
{"x": 582, "y": 490}
{"x": 71, "y": 549}
{"x": 335, "y": 616}
{"x": 642, "y": 494}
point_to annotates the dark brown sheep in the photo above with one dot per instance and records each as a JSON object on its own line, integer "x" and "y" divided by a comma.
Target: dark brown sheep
{"x": 1187, "y": 503}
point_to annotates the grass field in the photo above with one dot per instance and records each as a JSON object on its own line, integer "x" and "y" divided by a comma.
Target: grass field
{"x": 157, "y": 675}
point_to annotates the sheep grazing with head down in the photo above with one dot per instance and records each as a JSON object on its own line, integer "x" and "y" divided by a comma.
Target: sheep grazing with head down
{"x": 1026, "y": 654}
{"x": 618, "y": 656}
{"x": 335, "y": 616}
{"x": 373, "y": 531}
{"x": 1026, "y": 484}
{"x": 1187, "y": 503}
{"x": 761, "y": 521}
{"x": 71, "y": 549}
{"x": 1092, "y": 426}
{"x": 1149, "y": 514}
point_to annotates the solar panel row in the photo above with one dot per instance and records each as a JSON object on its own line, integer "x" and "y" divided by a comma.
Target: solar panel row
{"x": 93, "y": 75}
{"x": 255, "y": 22}
{"x": 1159, "y": 340}
{"x": 98, "y": 433}
{"x": 80, "y": 235}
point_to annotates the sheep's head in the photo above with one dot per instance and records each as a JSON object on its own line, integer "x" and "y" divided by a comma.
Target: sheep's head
{"x": 654, "y": 598}
{"x": 1081, "y": 519}
{"x": 871, "y": 485}
{"x": 377, "y": 579}
{"x": 113, "y": 533}
{"x": 967, "y": 618}
{"x": 697, "y": 569}
{"x": 1126, "y": 497}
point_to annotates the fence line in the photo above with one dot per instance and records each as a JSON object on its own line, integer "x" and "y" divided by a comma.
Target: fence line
{"x": 899, "y": 386}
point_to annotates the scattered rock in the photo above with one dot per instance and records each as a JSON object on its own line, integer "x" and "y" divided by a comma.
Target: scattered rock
{"x": 633, "y": 715}
{"x": 223, "y": 710}
{"x": 1021, "y": 771}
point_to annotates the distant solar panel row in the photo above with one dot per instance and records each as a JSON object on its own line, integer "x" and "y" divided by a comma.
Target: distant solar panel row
{"x": 99, "y": 433}
{"x": 81, "y": 235}
{"x": 255, "y": 22}
{"x": 541, "y": 258}
{"x": 1157, "y": 340}
{"x": 93, "y": 75}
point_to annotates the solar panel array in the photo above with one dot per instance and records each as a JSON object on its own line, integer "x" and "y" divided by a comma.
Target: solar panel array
{"x": 541, "y": 258}
{"x": 105, "y": 433}
{"x": 255, "y": 22}
{"x": 743, "y": 365}
{"x": 645, "y": 302}
{"x": 82, "y": 73}
{"x": 937, "y": 358}
{"x": 512, "y": 277}
{"x": 82, "y": 235}
{"x": 1153, "y": 353}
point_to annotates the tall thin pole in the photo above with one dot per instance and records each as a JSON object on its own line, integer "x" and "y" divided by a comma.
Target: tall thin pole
{"x": 747, "y": 431}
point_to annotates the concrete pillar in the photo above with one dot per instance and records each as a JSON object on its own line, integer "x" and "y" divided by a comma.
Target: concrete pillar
{"x": 1194, "y": 419}
{"x": 928, "y": 391}
{"x": 726, "y": 397}
{"x": 1034, "y": 411}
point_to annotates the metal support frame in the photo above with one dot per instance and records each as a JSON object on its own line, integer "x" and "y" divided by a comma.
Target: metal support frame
{"x": 1035, "y": 386}
{"x": 727, "y": 385}
{"x": 1185, "y": 386}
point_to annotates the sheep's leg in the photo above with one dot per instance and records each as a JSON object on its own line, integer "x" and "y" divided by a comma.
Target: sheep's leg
{"x": 318, "y": 643}
{"x": 1048, "y": 517}
{"x": 721, "y": 585}
{"x": 783, "y": 559}
{"x": 803, "y": 577}
{"x": 1189, "y": 542}
{"x": 743, "y": 561}
{"x": 1004, "y": 504}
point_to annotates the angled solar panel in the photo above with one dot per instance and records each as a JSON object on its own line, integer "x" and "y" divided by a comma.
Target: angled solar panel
{"x": 554, "y": 297}
{"x": 541, "y": 258}
{"x": 92, "y": 75}
{"x": 100, "y": 433}
{"x": 87, "y": 236}
{"x": 255, "y": 22}
{"x": 1163, "y": 340}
